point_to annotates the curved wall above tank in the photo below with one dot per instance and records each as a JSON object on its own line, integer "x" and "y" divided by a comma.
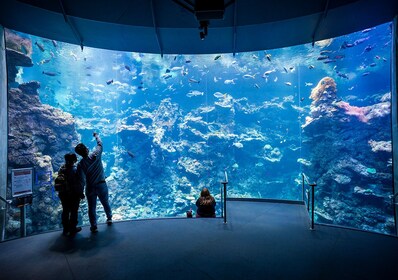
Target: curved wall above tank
{"x": 166, "y": 27}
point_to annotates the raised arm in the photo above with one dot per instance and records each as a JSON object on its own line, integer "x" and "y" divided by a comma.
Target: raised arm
{"x": 98, "y": 149}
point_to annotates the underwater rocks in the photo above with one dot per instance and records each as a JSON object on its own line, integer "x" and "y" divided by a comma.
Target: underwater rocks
{"x": 380, "y": 146}
{"x": 39, "y": 136}
{"x": 16, "y": 58}
{"x": 350, "y": 156}
{"x": 18, "y": 52}
{"x": 271, "y": 154}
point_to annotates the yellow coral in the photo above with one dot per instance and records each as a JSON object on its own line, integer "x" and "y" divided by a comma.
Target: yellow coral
{"x": 327, "y": 84}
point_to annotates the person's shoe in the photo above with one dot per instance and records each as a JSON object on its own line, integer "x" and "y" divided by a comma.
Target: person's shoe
{"x": 93, "y": 229}
{"x": 74, "y": 231}
{"x": 109, "y": 222}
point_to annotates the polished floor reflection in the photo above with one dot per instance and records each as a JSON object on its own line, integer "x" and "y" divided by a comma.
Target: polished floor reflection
{"x": 261, "y": 240}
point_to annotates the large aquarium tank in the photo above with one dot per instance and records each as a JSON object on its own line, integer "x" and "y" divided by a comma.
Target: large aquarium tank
{"x": 174, "y": 124}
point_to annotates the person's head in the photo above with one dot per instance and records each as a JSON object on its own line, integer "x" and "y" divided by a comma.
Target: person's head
{"x": 70, "y": 159}
{"x": 205, "y": 192}
{"x": 81, "y": 150}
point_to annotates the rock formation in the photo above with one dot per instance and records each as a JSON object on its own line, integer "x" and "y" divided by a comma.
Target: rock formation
{"x": 350, "y": 159}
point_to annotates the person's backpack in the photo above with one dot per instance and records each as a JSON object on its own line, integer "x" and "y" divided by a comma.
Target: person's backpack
{"x": 60, "y": 182}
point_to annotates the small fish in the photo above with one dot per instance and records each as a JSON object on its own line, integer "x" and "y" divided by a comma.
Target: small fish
{"x": 288, "y": 83}
{"x": 324, "y": 52}
{"x": 109, "y": 82}
{"x": 311, "y": 67}
{"x": 229, "y": 82}
{"x": 342, "y": 75}
{"x": 193, "y": 81}
{"x": 52, "y": 74}
{"x": 276, "y": 79}
{"x": 268, "y": 56}
{"x": 188, "y": 61}
{"x": 195, "y": 93}
{"x": 329, "y": 61}
{"x": 284, "y": 68}
{"x": 167, "y": 70}
{"x": 217, "y": 57}
{"x": 44, "y": 61}
{"x": 302, "y": 99}
{"x": 54, "y": 43}
{"x": 365, "y": 74}
{"x": 176, "y": 68}
{"x": 256, "y": 86}
{"x": 127, "y": 67}
{"x": 130, "y": 154}
{"x": 339, "y": 56}
{"x": 360, "y": 41}
{"x": 218, "y": 94}
{"x": 351, "y": 88}
{"x": 308, "y": 84}
{"x": 167, "y": 76}
{"x": 266, "y": 73}
{"x": 247, "y": 76}
{"x": 368, "y": 48}
{"x": 372, "y": 64}
{"x": 323, "y": 57}
{"x": 367, "y": 30}
{"x": 40, "y": 46}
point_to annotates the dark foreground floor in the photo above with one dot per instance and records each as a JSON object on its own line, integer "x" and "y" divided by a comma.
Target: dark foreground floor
{"x": 260, "y": 241}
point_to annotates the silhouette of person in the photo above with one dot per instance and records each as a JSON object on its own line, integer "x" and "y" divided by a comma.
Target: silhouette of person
{"x": 70, "y": 192}
{"x": 91, "y": 173}
{"x": 206, "y": 205}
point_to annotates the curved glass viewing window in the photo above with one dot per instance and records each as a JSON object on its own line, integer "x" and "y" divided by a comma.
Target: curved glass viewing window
{"x": 172, "y": 125}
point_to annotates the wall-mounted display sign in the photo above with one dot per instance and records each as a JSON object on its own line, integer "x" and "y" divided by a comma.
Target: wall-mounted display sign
{"x": 22, "y": 181}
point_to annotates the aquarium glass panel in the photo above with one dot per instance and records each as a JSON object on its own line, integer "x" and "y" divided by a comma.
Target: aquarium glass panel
{"x": 172, "y": 125}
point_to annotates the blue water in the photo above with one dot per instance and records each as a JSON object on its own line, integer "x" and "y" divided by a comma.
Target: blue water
{"x": 200, "y": 116}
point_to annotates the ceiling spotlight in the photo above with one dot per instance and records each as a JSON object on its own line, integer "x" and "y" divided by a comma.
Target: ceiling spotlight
{"x": 204, "y": 11}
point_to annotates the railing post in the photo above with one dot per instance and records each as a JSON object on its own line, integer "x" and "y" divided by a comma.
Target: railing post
{"x": 225, "y": 201}
{"x": 225, "y": 182}
{"x": 312, "y": 204}
{"x": 3, "y": 213}
{"x": 302, "y": 177}
{"x": 222, "y": 202}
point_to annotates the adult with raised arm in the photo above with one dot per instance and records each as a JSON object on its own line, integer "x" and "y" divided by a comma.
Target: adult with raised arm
{"x": 91, "y": 172}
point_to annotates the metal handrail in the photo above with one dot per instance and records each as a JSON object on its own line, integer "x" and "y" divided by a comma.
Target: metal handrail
{"x": 312, "y": 195}
{"x": 224, "y": 209}
{"x": 5, "y": 200}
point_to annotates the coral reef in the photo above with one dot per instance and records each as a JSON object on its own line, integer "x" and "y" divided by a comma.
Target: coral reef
{"x": 355, "y": 172}
{"x": 18, "y": 51}
{"x": 38, "y": 136}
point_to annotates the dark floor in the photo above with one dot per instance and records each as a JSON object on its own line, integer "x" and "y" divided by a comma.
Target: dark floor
{"x": 260, "y": 241}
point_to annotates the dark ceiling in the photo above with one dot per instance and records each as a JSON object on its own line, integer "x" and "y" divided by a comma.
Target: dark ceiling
{"x": 166, "y": 26}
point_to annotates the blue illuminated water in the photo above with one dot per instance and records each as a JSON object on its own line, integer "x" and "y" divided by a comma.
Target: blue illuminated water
{"x": 188, "y": 118}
